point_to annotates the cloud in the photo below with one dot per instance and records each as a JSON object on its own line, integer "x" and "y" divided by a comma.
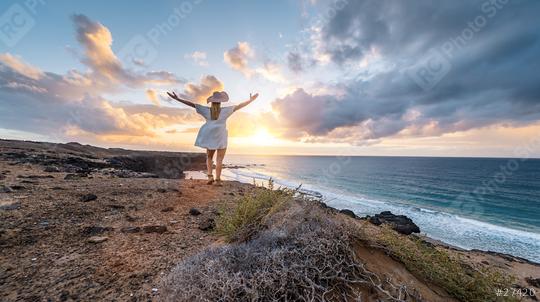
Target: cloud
{"x": 295, "y": 62}
{"x": 199, "y": 57}
{"x": 152, "y": 96}
{"x": 43, "y": 107}
{"x": 107, "y": 69}
{"x": 71, "y": 105}
{"x": 492, "y": 77}
{"x": 201, "y": 91}
{"x": 271, "y": 72}
{"x": 60, "y": 105}
{"x": 299, "y": 62}
{"x": 17, "y": 65}
{"x": 238, "y": 58}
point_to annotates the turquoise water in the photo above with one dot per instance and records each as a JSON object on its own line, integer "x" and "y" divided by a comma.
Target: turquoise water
{"x": 482, "y": 203}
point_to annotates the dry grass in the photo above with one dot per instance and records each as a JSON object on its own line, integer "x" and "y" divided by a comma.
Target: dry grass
{"x": 246, "y": 218}
{"x": 459, "y": 279}
{"x": 301, "y": 254}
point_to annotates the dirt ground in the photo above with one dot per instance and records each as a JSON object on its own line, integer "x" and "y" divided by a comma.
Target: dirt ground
{"x": 57, "y": 247}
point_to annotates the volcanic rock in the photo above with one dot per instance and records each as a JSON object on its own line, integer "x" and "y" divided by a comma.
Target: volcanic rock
{"x": 400, "y": 223}
{"x": 348, "y": 213}
{"x": 194, "y": 212}
{"x": 207, "y": 224}
{"x": 88, "y": 197}
{"x": 160, "y": 229}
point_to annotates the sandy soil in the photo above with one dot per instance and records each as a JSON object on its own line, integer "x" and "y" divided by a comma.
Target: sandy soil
{"x": 45, "y": 233}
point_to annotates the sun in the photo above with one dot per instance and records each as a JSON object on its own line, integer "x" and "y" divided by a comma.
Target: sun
{"x": 262, "y": 138}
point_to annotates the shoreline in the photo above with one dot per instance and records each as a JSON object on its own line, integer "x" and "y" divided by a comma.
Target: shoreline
{"x": 485, "y": 226}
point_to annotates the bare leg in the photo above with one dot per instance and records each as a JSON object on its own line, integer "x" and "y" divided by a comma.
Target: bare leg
{"x": 219, "y": 163}
{"x": 210, "y": 165}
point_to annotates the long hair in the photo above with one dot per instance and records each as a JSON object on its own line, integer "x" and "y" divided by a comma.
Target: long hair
{"x": 215, "y": 109}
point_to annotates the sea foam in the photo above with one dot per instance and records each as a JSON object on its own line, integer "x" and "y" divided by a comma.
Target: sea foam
{"x": 449, "y": 228}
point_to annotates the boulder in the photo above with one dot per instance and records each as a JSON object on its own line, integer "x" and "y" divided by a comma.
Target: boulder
{"x": 95, "y": 230}
{"x": 35, "y": 176}
{"x": 207, "y": 224}
{"x": 116, "y": 206}
{"x": 51, "y": 169}
{"x": 9, "y": 205}
{"x": 88, "y": 197}
{"x": 160, "y": 229}
{"x": 130, "y": 230}
{"x": 533, "y": 281}
{"x": 30, "y": 182}
{"x": 72, "y": 176}
{"x": 5, "y": 189}
{"x": 400, "y": 223}
{"x": 97, "y": 239}
{"x": 348, "y": 213}
{"x": 194, "y": 212}
{"x": 131, "y": 218}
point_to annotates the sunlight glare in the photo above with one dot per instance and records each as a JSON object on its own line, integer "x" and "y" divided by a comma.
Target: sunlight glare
{"x": 263, "y": 138}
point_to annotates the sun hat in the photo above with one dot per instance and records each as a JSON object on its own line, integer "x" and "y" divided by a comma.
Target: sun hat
{"x": 218, "y": 97}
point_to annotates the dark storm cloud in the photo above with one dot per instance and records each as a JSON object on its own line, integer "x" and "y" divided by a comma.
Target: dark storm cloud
{"x": 488, "y": 51}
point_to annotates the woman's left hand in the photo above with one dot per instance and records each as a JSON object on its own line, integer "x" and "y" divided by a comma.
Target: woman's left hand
{"x": 172, "y": 95}
{"x": 253, "y": 97}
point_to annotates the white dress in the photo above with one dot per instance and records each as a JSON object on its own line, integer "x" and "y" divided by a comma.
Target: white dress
{"x": 213, "y": 134}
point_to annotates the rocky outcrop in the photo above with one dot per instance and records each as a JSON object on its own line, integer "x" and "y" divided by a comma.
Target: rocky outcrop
{"x": 400, "y": 223}
{"x": 348, "y": 213}
{"x": 81, "y": 160}
{"x": 162, "y": 166}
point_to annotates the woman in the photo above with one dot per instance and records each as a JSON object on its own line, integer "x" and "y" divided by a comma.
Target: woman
{"x": 213, "y": 134}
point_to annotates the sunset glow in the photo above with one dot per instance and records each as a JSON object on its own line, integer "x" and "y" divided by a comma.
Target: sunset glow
{"x": 103, "y": 80}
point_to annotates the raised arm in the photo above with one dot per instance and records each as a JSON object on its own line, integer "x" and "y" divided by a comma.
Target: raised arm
{"x": 244, "y": 104}
{"x": 175, "y": 97}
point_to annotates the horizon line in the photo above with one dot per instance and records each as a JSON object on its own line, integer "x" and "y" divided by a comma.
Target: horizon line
{"x": 277, "y": 154}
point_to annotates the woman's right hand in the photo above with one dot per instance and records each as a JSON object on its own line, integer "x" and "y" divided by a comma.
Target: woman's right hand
{"x": 175, "y": 97}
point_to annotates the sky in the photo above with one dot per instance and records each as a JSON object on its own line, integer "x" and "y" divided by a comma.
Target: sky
{"x": 335, "y": 77}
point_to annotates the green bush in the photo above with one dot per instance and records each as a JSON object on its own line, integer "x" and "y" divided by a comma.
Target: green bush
{"x": 245, "y": 219}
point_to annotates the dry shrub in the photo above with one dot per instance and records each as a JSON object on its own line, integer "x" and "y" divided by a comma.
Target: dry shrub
{"x": 458, "y": 278}
{"x": 246, "y": 218}
{"x": 309, "y": 258}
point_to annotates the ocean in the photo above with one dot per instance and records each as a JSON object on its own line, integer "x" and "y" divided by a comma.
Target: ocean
{"x": 473, "y": 203}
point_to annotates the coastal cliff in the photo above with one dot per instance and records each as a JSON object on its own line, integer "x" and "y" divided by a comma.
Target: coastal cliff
{"x": 79, "y": 222}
